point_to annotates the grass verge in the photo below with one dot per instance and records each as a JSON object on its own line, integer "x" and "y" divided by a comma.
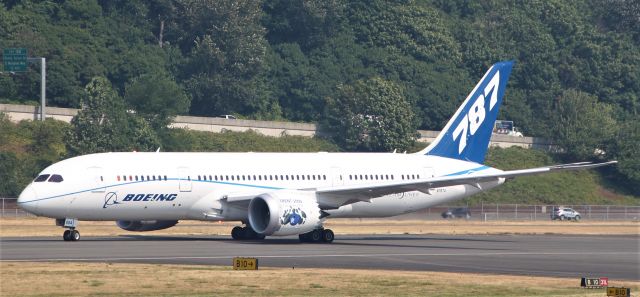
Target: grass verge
{"x": 116, "y": 279}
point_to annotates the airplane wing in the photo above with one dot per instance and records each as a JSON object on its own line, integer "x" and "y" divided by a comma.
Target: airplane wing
{"x": 334, "y": 197}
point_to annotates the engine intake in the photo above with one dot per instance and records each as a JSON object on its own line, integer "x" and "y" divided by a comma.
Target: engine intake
{"x": 284, "y": 213}
{"x": 141, "y": 226}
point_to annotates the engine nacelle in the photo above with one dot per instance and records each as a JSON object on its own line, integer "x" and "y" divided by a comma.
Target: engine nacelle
{"x": 284, "y": 213}
{"x": 145, "y": 225}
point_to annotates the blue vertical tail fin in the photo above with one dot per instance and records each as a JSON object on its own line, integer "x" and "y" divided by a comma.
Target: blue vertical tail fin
{"x": 466, "y": 135}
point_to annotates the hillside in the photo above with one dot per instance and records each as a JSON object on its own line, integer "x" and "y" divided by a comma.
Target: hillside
{"x": 576, "y": 78}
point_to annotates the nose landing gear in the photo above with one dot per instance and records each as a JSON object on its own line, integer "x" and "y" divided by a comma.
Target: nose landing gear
{"x": 71, "y": 234}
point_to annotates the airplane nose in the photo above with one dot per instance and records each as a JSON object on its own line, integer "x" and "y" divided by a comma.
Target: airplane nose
{"x": 28, "y": 199}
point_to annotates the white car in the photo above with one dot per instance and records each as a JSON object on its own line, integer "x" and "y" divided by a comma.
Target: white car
{"x": 565, "y": 213}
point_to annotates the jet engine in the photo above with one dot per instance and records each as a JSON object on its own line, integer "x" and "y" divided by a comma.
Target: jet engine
{"x": 284, "y": 213}
{"x": 145, "y": 225}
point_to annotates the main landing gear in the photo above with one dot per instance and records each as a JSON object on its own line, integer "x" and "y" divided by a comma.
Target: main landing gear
{"x": 71, "y": 234}
{"x": 245, "y": 233}
{"x": 317, "y": 235}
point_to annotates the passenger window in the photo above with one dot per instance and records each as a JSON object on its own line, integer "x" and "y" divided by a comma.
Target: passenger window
{"x": 41, "y": 178}
{"x": 55, "y": 178}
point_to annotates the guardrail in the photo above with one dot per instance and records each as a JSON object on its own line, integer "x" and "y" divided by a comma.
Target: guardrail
{"x": 484, "y": 212}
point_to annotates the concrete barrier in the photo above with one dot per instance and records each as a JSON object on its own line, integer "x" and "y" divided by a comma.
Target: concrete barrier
{"x": 271, "y": 128}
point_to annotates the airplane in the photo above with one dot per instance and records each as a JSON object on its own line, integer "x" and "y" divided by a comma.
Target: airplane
{"x": 279, "y": 194}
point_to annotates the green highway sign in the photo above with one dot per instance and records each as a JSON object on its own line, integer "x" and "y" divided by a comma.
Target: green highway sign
{"x": 15, "y": 59}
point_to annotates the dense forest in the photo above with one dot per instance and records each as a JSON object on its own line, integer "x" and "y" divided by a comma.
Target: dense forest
{"x": 576, "y": 78}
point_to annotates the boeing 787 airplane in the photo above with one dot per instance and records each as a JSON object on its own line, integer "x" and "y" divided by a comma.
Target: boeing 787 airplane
{"x": 278, "y": 194}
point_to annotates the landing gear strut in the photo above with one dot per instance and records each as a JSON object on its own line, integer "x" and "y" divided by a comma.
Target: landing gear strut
{"x": 317, "y": 235}
{"x": 71, "y": 234}
{"x": 245, "y": 233}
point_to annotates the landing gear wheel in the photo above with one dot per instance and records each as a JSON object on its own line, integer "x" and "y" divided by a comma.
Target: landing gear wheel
{"x": 577, "y": 218}
{"x": 236, "y": 233}
{"x": 315, "y": 235}
{"x": 74, "y": 235}
{"x": 327, "y": 236}
{"x": 71, "y": 235}
{"x": 562, "y": 218}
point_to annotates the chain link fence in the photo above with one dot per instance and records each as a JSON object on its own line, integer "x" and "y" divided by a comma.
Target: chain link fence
{"x": 492, "y": 212}
{"x": 484, "y": 212}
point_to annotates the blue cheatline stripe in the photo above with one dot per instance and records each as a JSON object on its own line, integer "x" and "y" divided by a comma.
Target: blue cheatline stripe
{"x": 469, "y": 171}
{"x": 168, "y": 179}
{"x": 215, "y": 182}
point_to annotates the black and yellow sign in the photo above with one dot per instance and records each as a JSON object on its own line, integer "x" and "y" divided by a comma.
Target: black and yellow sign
{"x": 240, "y": 263}
{"x": 618, "y": 292}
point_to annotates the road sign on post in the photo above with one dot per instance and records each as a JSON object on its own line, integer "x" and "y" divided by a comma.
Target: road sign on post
{"x": 15, "y": 59}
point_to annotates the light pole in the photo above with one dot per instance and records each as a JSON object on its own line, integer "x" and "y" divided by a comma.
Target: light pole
{"x": 43, "y": 84}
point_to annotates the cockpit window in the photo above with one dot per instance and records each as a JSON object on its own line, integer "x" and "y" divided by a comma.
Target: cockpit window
{"x": 56, "y": 178}
{"x": 41, "y": 178}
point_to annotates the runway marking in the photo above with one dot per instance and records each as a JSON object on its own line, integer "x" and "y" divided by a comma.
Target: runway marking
{"x": 322, "y": 255}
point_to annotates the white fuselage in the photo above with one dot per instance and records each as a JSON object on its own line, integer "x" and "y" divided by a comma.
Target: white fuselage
{"x": 179, "y": 186}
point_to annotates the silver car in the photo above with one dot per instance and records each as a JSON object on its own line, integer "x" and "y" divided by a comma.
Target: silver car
{"x": 565, "y": 213}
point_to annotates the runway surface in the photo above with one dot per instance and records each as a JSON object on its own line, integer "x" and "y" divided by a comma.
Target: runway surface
{"x": 616, "y": 257}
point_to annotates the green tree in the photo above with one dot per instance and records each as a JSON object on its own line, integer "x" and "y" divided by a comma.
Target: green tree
{"x": 371, "y": 115}
{"x": 157, "y": 98}
{"x": 105, "y": 125}
{"x": 226, "y": 54}
{"x": 10, "y": 174}
{"x": 582, "y": 126}
{"x": 625, "y": 150}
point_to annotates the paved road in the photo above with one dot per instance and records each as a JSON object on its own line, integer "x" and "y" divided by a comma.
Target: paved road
{"x": 616, "y": 257}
